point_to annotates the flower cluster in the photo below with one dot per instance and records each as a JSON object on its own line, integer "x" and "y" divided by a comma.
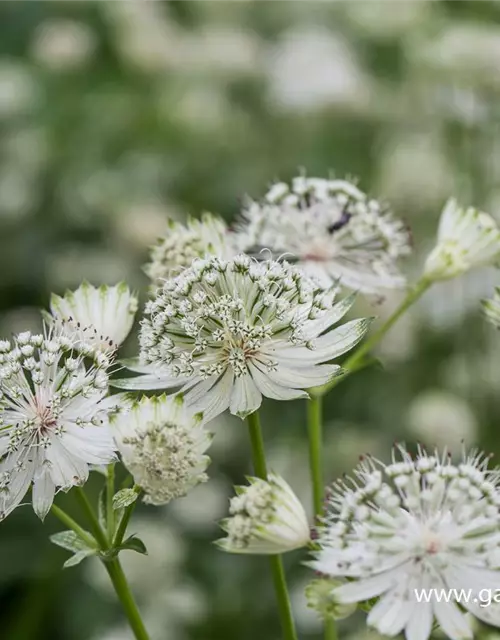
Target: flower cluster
{"x": 467, "y": 238}
{"x": 230, "y": 332}
{"x": 418, "y": 523}
{"x": 163, "y": 445}
{"x": 266, "y": 518}
{"x": 333, "y": 230}
{"x": 52, "y": 408}
{"x": 183, "y": 243}
{"x": 98, "y": 319}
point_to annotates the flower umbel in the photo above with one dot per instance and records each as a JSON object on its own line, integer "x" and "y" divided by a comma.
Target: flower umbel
{"x": 335, "y": 232}
{"x": 51, "y": 419}
{"x": 163, "y": 445}
{"x": 183, "y": 243}
{"x": 99, "y": 318}
{"x": 467, "y": 238}
{"x": 266, "y": 518}
{"x": 418, "y": 523}
{"x": 230, "y": 332}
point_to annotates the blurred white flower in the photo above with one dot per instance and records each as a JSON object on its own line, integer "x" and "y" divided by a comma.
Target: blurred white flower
{"x": 100, "y": 318}
{"x": 464, "y": 51}
{"x": 336, "y": 233}
{"x": 376, "y": 19}
{"x": 52, "y": 408}
{"x": 163, "y": 445}
{"x": 266, "y": 517}
{"x": 467, "y": 238}
{"x": 230, "y": 332}
{"x": 181, "y": 243}
{"x": 491, "y": 308}
{"x": 63, "y": 44}
{"x": 312, "y": 68}
{"x": 19, "y": 91}
{"x": 420, "y": 522}
{"x": 19, "y": 191}
{"x": 203, "y": 506}
{"x": 442, "y": 419}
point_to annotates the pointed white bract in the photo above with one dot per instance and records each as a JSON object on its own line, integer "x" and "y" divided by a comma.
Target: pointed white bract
{"x": 183, "y": 243}
{"x": 467, "y": 238}
{"x": 163, "y": 445}
{"x": 492, "y": 308}
{"x": 230, "y": 332}
{"x": 419, "y": 523}
{"x": 96, "y": 318}
{"x": 53, "y": 419}
{"x": 333, "y": 230}
{"x": 266, "y": 518}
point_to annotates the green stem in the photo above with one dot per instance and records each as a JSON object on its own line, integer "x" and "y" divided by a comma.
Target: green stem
{"x": 110, "y": 492}
{"x": 315, "y": 427}
{"x": 355, "y": 361}
{"x": 123, "y": 523}
{"x": 277, "y": 570}
{"x": 114, "y": 569}
{"x": 93, "y": 521}
{"x": 126, "y": 598}
{"x": 73, "y": 525}
{"x": 330, "y": 630}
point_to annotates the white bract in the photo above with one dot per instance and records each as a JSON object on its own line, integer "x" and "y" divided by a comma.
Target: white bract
{"x": 467, "y": 238}
{"x": 97, "y": 318}
{"x": 333, "y": 230}
{"x": 230, "y": 332}
{"x": 419, "y": 523}
{"x": 266, "y": 518}
{"x": 183, "y": 243}
{"x": 163, "y": 445}
{"x": 52, "y": 414}
{"x": 492, "y": 308}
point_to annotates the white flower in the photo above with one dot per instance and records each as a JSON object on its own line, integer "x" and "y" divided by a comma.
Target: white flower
{"x": 266, "y": 518}
{"x": 467, "y": 238}
{"x": 99, "y": 318}
{"x": 333, "y": 229}
{"x": 229, "y": 332}
{"x": 163, "y": 445}
{"x": 51, "y": 412}
{"x": 418, "y": 523}
{"x": 492, "y": 308}
{"x": 183, "y": 243}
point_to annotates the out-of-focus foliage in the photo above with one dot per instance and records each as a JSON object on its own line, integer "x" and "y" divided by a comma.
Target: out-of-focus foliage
{"x": 114, "y": 115}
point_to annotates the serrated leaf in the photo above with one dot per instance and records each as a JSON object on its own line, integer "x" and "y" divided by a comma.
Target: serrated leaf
{"x": 78, "y": 557}
{"x": 133, "y": 544}
{"x": 124, "y": 498}
{"x": 71, "y": 541}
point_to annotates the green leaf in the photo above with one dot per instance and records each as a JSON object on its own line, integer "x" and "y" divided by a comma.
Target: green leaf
{"x": 71, "y": 541}
{"x": 78, "y": 557}
{"x": 124, "y": 498}
{"x": 133, "y": 544}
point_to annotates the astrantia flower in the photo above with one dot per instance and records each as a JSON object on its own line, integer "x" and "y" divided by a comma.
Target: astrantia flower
{"x": 418, "y": 523}
{"x": 230, "y": 332}
{"x": 492, "y": 308}
{"x": 266, "y": 518}
{"x": 52, "y": 408}
{"x": 183, "y": 243}
{"x": 333, "y": 230}
{"x": 467, "y": 238}
{"x": 98, "y": 318}
{"x": 163, "y": 445}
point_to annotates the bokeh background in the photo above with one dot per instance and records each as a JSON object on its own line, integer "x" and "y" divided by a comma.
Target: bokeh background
{"x": 117, "y": 114}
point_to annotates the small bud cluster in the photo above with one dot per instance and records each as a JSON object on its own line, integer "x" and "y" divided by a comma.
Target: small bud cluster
{"x": 183, "y": 243}
{"x": 492, "y": 308}
{"x": 266, "y": 517}
{"x": 319, "y": 595}
{"x": 163, "y": 445}
{"x": 332, "y": 228}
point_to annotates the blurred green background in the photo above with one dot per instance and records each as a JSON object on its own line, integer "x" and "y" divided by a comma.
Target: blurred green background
{"x": 117, "y": 114}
